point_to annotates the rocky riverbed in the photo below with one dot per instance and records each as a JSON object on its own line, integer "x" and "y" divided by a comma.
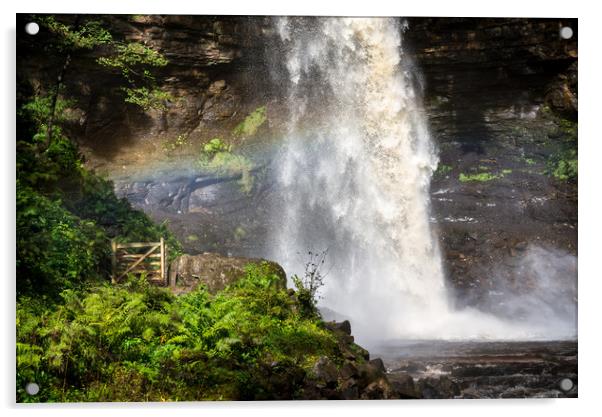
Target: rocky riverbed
{"x": 440, "y": 369}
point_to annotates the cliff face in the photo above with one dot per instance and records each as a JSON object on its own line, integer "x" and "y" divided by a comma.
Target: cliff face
{"x": 501, "y": 98}
{"x": 208, "y": 76}
{"x": 500, "y": 95}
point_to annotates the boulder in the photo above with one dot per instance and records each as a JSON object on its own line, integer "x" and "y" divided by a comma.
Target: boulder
{"x": 403, "y": 386}
{"x": 369, "y": 373}
{"x": 325, "y": 372}
{"x": 343, "y": 326}
{"x": 349, "y": 370}
{"x": 214, "y": 271}
{"x": 349, "y": 390}
{"x": 436, "y": 388}
{"x": 377, "y": 390}
{"x": 379, "y": 364}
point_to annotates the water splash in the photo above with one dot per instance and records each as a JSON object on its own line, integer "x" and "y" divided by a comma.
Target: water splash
{"x": 354, "y": 177}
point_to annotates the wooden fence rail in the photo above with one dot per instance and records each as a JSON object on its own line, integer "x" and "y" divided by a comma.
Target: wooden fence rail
{"x": 138, "y": 258}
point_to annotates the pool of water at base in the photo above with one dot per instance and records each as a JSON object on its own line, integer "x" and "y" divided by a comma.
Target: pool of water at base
{"x": 477, "y": 369}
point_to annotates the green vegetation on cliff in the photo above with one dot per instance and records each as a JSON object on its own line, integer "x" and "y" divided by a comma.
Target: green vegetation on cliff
{"x": 252, "y": 122}
{"x": 218, "y": 158}
{"x": 480, "y": 177}
{"x": 442, "y": 170}
{"x": 563, "y": 164}
{"x": 66, "y": 215}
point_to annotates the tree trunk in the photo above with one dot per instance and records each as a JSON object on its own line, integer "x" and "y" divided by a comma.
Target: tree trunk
{"x": 57, "y": 90}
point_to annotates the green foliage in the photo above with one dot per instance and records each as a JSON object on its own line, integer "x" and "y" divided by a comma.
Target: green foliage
{"x": 217, "y": 157}
{"x": 252, "y": 122}
{"x": 483, "y": 176}
{"x": 564, "y": 165}
{"x": 309, "y": 284}
{"x": 214, "y": 146}
{"x": 55, "y": 249}
{"x": 239, "y": 233}
{"x": 66, "y": 214}
{"x": 39, "y": 110}
{"x": 58, "y": 166}
{"x": 179, "y": 142}
{"x": 568, "y": 128}
{"x": 443, "y": 170}
{"x": 137, "y": 342}
{"x": 480, "y": 177}
{"x": 529, "y": 161}
{"x": 135, "y": 62}
{"x": 97, "y": 201}
{"x": 147, "y": 98}
{"x": 133, "y": 59}
{"x": 192, "y": 238}
{"x": 60, "y": 158}
{"x": 85, "y": 36}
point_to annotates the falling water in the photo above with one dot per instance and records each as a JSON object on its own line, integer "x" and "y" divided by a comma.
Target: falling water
{"x": 354, "y": 178}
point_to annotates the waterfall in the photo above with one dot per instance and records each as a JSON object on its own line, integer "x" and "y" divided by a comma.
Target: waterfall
{"x": 354, "y": 177}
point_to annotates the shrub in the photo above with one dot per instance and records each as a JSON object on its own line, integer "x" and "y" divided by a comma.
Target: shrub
{"x": 66, "y": 214}
{"x": 135, "y": 63}
{"x": 564, "y": 165}
{"x": 137, "y": 342}
{"x": 55, "y": 249}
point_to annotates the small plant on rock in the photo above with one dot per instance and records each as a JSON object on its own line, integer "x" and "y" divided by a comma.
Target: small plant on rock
{"x": 252, "y": 123}
{"x": 312, "y": 280}
{"x": 218, "y": 157}
{"x": 177, "y": 143}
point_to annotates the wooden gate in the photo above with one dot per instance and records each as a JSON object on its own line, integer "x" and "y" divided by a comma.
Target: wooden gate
{"x": 138, "y": 258}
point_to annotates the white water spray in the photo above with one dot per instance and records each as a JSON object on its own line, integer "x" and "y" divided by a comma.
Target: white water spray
{"x": 354, "y": 177}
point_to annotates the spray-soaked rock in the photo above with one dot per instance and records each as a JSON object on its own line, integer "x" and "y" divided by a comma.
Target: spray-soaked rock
{"x": 325, "y": 372}
{"x": 437, "y": 388}
{"x": 403, "y": 386}
{"x": 343, "y": 326}
{"x": 379, "y": 389}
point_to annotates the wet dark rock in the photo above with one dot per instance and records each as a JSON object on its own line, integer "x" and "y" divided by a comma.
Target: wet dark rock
{"x": 379, "y": 389}
{"x": 379, "y": 364}
{"x": 344, "y": 326}
{"x": 471, "y": 393}
{"x": 529, "y": 74}
{"x": 325, "y": 372}
{"x": 403, "y": 385}
{"x": 277, "y": 381}
{"x": 483, "y": 370}
{"x": 521, "y": 246}
{"x": 349, "y": 370}
{"x": 349, "y": 390}
{"x": 364, "y": 353}
{"x": 437, "y": 388}
{"x": 369, "y": 373}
